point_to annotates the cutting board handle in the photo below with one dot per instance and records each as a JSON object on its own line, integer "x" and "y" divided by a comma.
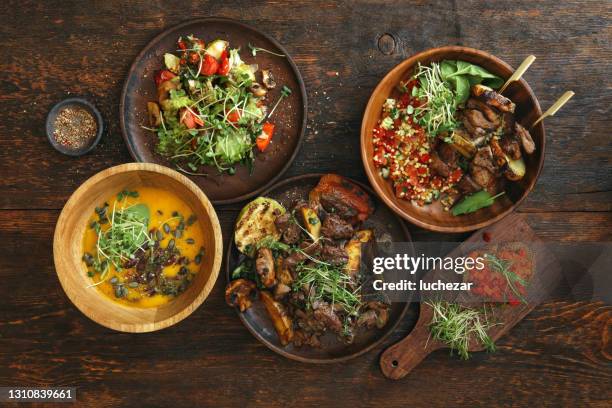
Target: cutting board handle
{"x": 399, "y": 359}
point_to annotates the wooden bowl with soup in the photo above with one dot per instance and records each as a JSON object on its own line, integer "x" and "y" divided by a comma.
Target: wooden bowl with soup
{"x": 137, "y": 247}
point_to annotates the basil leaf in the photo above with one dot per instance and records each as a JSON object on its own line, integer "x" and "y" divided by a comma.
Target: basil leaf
{"x": 447, "y": 68}
{"x": 462, "y": 76}
{"x": 462, "y": 89}
{"x": 474, "y": 202}
{"x": 139, "y": 211}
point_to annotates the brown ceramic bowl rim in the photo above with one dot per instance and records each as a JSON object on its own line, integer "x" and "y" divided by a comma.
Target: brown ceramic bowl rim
{"x": 280, "y": 350}
{"x": 181, "y": 314}
{"x": 203, "y": 20}
{"x": 369, "y": 169}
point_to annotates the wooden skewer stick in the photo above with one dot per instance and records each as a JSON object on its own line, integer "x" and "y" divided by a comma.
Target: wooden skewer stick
{"x": 519, "y": 72}
{"x": 555, "y": 107}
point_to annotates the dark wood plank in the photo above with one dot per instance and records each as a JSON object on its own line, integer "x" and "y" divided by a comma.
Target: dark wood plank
{"x": 87, "y": 49}
{"x": 211, "y": 358}
{"x": 559, "y": 355}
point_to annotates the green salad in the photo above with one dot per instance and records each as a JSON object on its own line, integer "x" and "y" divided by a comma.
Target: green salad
{"x": 211, "y": 108}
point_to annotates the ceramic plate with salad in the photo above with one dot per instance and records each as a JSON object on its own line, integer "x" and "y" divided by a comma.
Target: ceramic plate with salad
{"x": 218, "y": 101}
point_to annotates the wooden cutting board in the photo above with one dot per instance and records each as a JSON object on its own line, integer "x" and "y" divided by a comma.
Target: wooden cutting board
{"x": 399, "y": 359}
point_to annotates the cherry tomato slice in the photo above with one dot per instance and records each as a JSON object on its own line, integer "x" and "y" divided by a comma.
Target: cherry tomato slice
{"x": 224, "y": 66}
{"x": 209, "y": 65}
{"x": 233, "y": 116}
{"x": 263, "y": 140}
{"x": 163, "y": 76}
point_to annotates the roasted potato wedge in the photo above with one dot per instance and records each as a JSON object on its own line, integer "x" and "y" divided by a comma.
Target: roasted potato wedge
{"x": 237, "y": 293}
{"x": 311, "y": 222}
{"x": 281, "y": 320}
{"x": 353, "y": 250}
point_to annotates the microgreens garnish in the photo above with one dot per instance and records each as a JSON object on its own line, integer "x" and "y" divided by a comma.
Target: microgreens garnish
{"x": 285, "y": 92}
{"x": 255, "y": 50}
{"x": 437, "y": 113}
{"x": 456, "y": 325}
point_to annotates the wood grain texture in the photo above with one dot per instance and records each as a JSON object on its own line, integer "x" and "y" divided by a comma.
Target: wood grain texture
{"x": 559, "y": 355}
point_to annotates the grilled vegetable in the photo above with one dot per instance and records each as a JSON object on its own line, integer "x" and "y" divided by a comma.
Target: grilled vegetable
{"x": 172, "y": 62}
{"x": 515, "y": 169}
{"x": 216, "y": 48}
{"x": 256, "y": 222}
{"x": 461, "y": 143}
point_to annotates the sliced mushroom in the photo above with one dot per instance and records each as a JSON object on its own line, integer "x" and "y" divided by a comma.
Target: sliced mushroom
{"x": 268, "y": 79}
{"x": 237, "y": 293}
{"x": 258, "y": 90}
{"x": 264, "y": 266}
{"x": 163, "y": 90}
{"x": 154, "y": 114}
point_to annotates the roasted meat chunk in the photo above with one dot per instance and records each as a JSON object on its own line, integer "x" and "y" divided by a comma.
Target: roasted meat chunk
{"x": 477, "y": 119}
{"x": 510, "y": 146}
{"x": 525, "y": 138}
{"x": 325, "y": 314}
{"x": 486, "y": 110}
{"x": 334, "y": 255}
{"x": 473, "y": 132}
{"x": 287, "y": 226}
{"x": 335, "y": 227}
{"x": 484, "y": 178}
{"x": 492, "y": 98}
{"x": 484, "y": 158}
{"x": 447, "y": 154}
{"x": 467, "y": 185}
{"x": 438, "y": 166}
{"x": 338, "y": 195}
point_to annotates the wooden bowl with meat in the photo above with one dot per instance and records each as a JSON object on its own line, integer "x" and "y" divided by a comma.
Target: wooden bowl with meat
{"x": 445, "y": 150}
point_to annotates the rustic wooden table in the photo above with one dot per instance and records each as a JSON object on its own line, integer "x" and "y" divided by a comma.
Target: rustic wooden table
{"x": 560, "y": 355}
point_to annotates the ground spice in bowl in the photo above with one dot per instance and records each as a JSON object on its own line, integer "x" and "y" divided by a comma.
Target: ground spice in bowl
{"x": 75, "y": 127}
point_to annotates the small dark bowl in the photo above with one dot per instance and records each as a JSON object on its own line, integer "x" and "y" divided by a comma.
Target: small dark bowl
{"x": 51, "y": 119}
